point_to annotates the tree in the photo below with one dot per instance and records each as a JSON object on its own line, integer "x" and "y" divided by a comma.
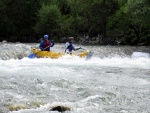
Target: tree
{"x": 49, "y": 18}
{"x": 139, "y": 12}
{"x": 18, "y": 17}
{"x": 131, "y": 22}
{"x": 90, "y": 16}
{"x": 100, "y": 12}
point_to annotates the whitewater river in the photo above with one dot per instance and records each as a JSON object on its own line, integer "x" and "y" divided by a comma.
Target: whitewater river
{"x": 115, "y": 80}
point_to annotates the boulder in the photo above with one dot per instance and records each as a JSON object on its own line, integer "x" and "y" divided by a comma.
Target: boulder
{"x": 60, "y": 108}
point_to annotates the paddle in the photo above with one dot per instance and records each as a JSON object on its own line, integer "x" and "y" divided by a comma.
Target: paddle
{"x": 89, "y": 55}
{"x": 80, "y": 48}
{"x": 33, "y": 55}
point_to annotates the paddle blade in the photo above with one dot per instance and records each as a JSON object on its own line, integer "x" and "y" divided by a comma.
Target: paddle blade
{"x": 31, "y": 56}
{"x": 89, "y": 55}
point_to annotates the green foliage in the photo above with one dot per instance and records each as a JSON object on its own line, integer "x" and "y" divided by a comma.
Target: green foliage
{"x": 139, "y": 12}
{"x": 122, "y": 2}
{"x": 90, "y": 16}
{"x": 119, "y": 20}
{"x": 49, "y": 20}
{"x": 17, "y": 17}
{"x": 127, "y": 21}
{"x": 131, "y": 20}
{"x": 64, "y": 7}
{"x": 66, "y": 25}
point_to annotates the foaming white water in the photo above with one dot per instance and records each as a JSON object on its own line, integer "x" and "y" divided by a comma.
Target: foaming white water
{"x": 124, "y": 62}
{"x": 140, "y": 55}
{"x": 68, "y": 61}
{"x": 13, "y": 51}
{"x": 97, "y": 85}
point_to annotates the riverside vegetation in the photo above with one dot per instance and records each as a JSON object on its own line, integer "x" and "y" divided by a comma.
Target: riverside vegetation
{"x": 115, "y": 22}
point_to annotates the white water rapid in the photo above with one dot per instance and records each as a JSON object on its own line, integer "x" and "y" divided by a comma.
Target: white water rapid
{"x": 115, "y": 80}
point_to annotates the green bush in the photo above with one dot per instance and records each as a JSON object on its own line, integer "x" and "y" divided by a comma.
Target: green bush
{"x": 49, "y": 20}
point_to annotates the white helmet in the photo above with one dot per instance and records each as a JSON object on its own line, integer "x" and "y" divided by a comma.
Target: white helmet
{"x": 71, "y": 38}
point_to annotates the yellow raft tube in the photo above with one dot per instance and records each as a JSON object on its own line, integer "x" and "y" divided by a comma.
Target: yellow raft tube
{"x": 54, "y": 55}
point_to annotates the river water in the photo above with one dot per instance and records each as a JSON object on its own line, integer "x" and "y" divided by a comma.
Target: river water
{"x": 115, "y": 80}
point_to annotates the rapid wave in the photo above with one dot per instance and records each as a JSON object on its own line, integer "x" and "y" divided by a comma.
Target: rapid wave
{"x": 140, "y": 55}
{"x": 21, "y": 50}
{"x": 14, "y": 51}
{"x": 114, "y": 79}
{"x": 102, "y": 56}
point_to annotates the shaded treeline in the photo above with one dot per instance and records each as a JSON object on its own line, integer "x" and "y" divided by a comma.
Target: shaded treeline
{"x": 125, "y": 22}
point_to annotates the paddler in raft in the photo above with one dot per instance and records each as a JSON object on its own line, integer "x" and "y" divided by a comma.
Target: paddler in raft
{"x": 46, "y": 44}
{"x": 70, "y": 46}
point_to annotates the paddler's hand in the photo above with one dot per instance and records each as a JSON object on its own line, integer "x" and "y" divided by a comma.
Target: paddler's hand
{"x": 42, "y": 49}
{"x": 78, "y": 48}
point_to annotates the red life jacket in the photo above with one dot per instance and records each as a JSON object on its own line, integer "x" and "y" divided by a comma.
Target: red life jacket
{"x": 46, "y": 43}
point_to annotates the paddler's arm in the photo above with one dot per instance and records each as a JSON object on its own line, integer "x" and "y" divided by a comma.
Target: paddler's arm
{"x": 66, "y": 46}
{"x": 77, "y": 48}
{"x": 41, "y": 45}
{"x": 74, "y": 48}
{"x": 52, "y": 43}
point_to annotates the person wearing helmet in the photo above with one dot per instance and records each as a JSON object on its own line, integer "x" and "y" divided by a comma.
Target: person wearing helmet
{"x": 46, "y": 44}
{"x": 69, "y": 46}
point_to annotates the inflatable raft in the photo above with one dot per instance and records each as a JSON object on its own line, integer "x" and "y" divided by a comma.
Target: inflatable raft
{"x": 54, "y": 55}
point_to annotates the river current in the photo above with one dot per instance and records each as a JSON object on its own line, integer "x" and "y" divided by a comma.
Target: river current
{"x": 115, "y": 80}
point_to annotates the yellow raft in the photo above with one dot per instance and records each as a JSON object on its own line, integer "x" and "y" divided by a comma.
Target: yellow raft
{"x": 54, "y": 55}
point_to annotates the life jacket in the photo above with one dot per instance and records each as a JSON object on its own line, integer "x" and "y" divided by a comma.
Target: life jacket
{"x": 70, "y": 47}
{"x": 46, "y": 43}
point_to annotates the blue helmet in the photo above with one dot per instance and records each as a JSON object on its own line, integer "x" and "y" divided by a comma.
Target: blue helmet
{"x": 45, "y": 36}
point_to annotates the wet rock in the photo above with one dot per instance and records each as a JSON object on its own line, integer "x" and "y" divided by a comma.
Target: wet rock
{"x": 36, "y": 104}
{"x": 4, "y": 41}
{"x": 15, "y": 107}
{"x": 60, "y": 108}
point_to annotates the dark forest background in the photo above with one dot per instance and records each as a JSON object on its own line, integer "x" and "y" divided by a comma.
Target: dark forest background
{"x": 115, "y": 22}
